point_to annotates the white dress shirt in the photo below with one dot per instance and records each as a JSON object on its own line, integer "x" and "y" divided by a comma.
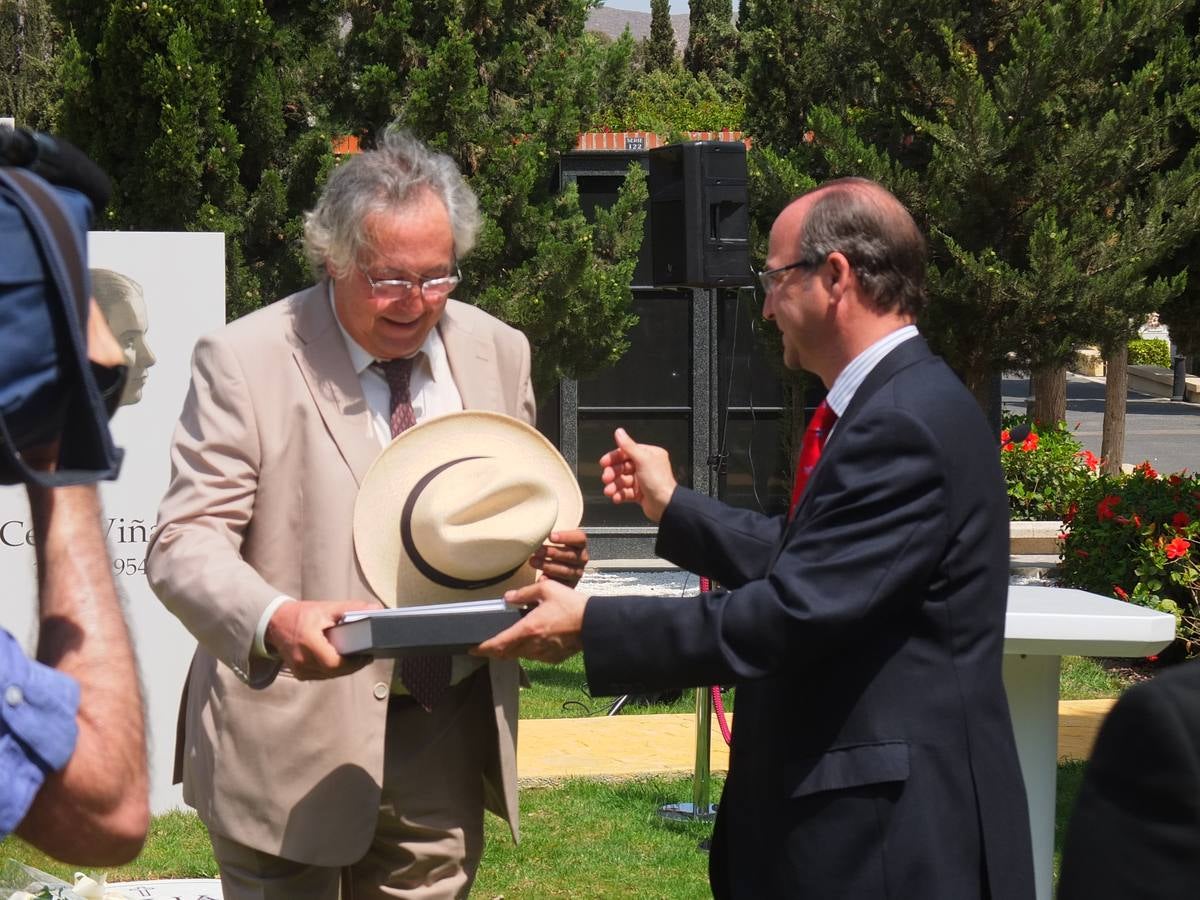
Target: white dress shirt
{"x": 431, "y": 388}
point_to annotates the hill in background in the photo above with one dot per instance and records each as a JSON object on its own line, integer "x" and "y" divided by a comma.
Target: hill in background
{"x": 612, "y": 22}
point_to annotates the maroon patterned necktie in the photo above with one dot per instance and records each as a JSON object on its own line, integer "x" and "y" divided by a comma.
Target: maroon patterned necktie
{"x": 815, "y": 434}
{"x": 426, "y": 677}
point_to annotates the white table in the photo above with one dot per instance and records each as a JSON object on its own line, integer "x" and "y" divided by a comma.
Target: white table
{"x": 1044, "y": 624}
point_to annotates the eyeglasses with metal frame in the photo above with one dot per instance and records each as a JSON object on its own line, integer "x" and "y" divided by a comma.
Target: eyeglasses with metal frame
{"x": 769, "y": 277}
{"x": 394, "y": 288}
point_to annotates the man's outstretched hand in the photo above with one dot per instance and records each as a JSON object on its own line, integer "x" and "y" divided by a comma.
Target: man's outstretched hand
{"x": 638, "y": 473}
{"x": 549, "y": 632}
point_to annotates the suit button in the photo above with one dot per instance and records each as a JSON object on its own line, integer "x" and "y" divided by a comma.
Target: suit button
{"x": 381, "y": 691}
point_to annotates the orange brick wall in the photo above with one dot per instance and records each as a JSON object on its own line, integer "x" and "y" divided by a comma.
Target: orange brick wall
{"x": 594, "y": 140}
{"x": 646, "y": 140}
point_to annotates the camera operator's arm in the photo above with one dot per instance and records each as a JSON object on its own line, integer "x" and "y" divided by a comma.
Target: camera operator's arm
{"x": 95, "y": 811}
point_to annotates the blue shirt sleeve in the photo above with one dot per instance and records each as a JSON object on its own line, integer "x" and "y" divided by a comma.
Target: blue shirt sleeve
{"x": 37, "y": 728}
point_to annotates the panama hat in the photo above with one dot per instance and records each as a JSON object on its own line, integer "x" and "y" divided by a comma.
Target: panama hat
{"x": 454, "y": 507}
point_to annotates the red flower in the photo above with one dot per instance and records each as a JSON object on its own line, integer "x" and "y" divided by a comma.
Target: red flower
{"x": 1137, "y": 521}
{"x": 1144, "y": 468}
{"x": 1089, "y": 458}
{"x": 1177, "y": 548}
{"x": 1005, "y": 436}
{"x": 1104, "y": 509}
{"x": 1082, "y": 554}
{"x": 1121, "y": 520}
{"x": 1030, "y": 443}
{"x": 1181, "y": 520}
{"x": 1174, "y": 481}
{"x": 1071, "y": 512}
{"x": 1009, "y": 447}
{"x": 1120, "y": 593}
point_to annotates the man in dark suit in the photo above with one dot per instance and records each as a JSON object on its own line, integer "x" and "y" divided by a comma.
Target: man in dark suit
{"x": 1135, "y": 832}
{"x": 873, "y": 753}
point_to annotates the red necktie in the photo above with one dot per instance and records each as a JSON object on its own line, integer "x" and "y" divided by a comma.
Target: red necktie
{"x": 815, "y": 434}
{"x": 426, "y": 677}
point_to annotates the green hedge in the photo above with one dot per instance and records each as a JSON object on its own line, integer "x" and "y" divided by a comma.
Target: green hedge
{"x": 1155, "y": 352}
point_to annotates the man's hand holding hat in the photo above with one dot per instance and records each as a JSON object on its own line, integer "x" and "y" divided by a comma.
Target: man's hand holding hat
{"x": 563, "y": 557}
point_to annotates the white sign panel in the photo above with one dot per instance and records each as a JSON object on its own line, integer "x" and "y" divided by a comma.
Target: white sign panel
{"x": 160, "y": 291}
{"x": 179, "y": 889}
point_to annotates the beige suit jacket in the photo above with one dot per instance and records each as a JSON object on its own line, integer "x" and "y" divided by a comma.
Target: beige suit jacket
{"x": 274, "y": 438}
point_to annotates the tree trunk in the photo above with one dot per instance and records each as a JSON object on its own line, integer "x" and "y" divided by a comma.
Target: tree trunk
{"x": 979, "y": 382}
{"x": 1049, "y": 389}
{"x": 1116, "y": 389}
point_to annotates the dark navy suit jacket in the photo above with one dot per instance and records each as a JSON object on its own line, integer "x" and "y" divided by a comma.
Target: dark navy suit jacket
{"x": 873, "y": 753}
{"x": 1135, "y": 833}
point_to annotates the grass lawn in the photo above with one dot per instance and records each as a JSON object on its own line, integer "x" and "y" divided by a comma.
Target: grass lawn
{"x": 581, "y": 839}
{"x": 1084, "y": 678}
{"x": 560, "y": 692}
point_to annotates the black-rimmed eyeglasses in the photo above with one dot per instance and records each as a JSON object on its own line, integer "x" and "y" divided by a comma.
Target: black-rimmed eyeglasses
{"x": 430, "y": 288}
{"x": 768, "y": 277}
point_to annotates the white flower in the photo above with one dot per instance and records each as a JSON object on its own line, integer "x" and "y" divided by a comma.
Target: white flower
{"x": 86, "y": 888}
{"x": 90, "y": 889}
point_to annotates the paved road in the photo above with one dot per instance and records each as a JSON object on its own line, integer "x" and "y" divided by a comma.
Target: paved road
{"x": 1156, "y": 429}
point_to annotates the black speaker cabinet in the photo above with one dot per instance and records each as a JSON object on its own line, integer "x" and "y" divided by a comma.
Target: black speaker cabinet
{"x": 699, "y": 215}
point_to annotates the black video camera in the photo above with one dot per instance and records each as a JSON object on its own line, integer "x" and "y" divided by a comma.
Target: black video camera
{"x": 57, "y": 161}
{"x": 51, "y": 395}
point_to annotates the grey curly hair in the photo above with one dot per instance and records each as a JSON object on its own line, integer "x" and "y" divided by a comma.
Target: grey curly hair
{"x": 384, "y": 179}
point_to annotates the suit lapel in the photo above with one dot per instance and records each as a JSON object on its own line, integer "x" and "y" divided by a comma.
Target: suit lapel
{"x": 911, "y": 351}
{"x": 333, "y": 383}
{"x": 470, "y": 358}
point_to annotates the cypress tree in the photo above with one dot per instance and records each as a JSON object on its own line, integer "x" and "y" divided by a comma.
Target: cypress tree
{"x": 505, "y": 93}
{"x": 1038, "y": 145}
{"x": 660, "y": 47}
{"x": 184, "y": 106}
{"x": 712, "y": 42}
{"x": 30, "y": 37}
{"x": 1181, "y": 314}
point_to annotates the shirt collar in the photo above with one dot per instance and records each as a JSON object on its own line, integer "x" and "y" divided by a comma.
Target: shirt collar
{"x": 360, "y": 358}
{"x": 850, "y": 379}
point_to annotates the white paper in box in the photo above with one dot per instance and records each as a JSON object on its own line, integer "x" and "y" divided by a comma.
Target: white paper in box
{"x": 422, "y": 630}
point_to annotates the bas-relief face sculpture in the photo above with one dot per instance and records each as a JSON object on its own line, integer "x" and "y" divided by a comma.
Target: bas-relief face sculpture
{"x": 120, "y": 299}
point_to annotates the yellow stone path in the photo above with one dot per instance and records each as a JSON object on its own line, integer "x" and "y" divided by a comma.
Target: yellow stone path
{"x": 633, "y": 746}
{"x": 1078, "y": 722}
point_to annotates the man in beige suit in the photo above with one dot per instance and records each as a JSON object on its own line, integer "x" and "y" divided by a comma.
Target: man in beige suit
{"x": 319, "y": 776}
